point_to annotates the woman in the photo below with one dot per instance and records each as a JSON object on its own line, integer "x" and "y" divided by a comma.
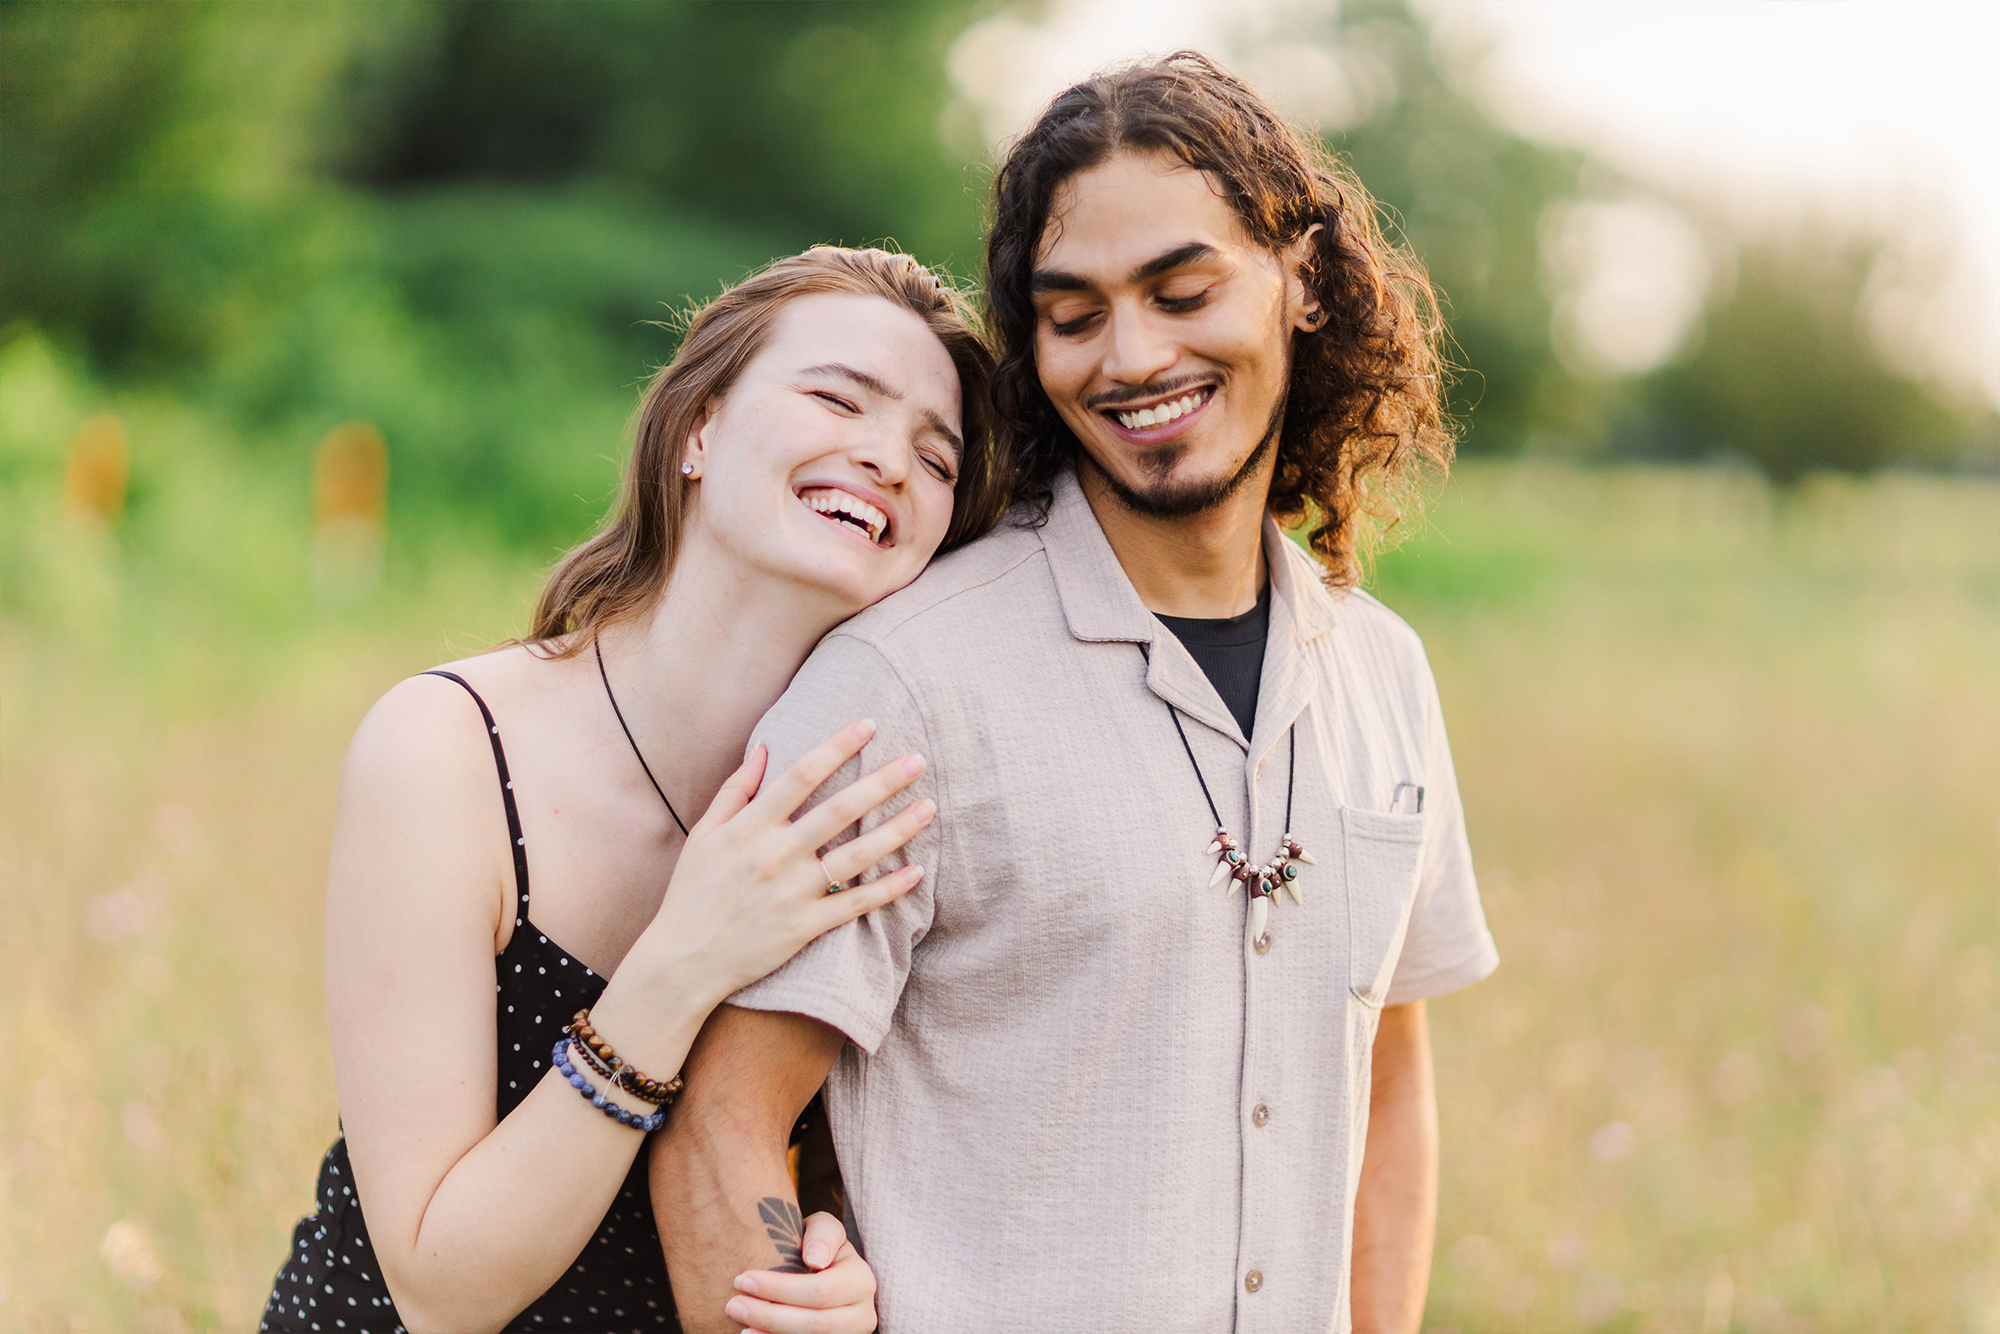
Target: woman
{"x": 821, "y": 434}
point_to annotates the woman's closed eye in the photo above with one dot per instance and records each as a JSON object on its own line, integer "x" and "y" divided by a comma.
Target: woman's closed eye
{"x": 941, "y": 466}
{"x": 834, "y": 400}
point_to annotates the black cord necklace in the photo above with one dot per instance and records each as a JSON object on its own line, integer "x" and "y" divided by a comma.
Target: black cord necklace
{"x": 1230, "y": 862}
{"x": 620, "y": 716}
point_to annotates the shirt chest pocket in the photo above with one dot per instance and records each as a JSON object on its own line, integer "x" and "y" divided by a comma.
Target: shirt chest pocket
{"x": 1384, "y": 853}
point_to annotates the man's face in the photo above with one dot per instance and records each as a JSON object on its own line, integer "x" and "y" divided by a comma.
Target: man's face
{"x": 1163, "y": 332}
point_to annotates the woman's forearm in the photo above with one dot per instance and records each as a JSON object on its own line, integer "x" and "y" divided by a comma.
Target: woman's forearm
{"x": 513, "y": 1213}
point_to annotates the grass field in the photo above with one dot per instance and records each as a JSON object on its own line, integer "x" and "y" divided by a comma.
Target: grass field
{"x": 1732, "y": 762}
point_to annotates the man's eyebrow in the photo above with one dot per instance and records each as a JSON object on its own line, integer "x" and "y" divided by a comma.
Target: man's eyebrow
{"x": 1055, "y": 280}
{"x": 1191, "y": 253}
{"x": 875, "y": 385}
{"x": 858, "y": 376}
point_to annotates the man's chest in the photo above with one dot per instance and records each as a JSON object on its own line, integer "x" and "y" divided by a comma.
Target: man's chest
{"x": 1078, "y": 817}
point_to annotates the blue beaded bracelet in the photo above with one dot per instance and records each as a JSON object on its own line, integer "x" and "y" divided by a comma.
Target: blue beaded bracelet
{"x": 560, "y": 1059}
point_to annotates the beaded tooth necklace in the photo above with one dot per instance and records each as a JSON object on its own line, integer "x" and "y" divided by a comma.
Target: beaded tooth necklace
{"x": 1231, "y": 865}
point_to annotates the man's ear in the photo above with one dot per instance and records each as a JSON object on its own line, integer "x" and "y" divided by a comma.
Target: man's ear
{"x": 1301, "y": 303}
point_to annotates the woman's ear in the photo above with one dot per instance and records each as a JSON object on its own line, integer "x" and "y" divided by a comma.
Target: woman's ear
{"x": 1302, "y": 302}
{"x": 694, "y": 453}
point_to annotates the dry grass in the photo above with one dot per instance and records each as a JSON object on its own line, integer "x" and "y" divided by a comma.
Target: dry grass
{"x": 1732, "y": 765}
{"x": 1733, "y": 768}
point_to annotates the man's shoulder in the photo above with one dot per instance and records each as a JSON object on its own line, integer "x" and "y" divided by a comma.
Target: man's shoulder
{"x": 963, "y": 583}
{"x": 1360, "y": 616}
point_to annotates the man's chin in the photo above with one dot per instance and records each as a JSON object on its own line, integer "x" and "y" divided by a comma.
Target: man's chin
{"x": 1170, "y": 492}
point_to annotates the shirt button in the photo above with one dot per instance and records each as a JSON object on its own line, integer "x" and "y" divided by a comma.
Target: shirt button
{"x": 1253, "y": 1280}
{"x": 1262, "y": 944}
{"x": 1260, "y": 1116}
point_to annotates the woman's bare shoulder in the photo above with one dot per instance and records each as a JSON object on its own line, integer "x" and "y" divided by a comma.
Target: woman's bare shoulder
{"x": 426, "y": 738}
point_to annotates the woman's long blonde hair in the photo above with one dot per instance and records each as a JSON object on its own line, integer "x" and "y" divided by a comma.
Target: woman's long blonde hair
{"x": 618, "y": 573}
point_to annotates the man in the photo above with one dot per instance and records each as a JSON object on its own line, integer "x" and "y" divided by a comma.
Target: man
{"x": 1104, "y": 1068}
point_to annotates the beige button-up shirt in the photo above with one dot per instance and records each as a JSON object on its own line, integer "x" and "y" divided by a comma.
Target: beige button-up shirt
{"x": 1077, "y": 1095}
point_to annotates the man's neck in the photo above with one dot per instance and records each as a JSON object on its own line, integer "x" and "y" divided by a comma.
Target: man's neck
{"x": 1206, "y": 566}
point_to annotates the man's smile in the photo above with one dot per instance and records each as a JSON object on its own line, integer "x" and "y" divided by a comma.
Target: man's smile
{"x": 1160, "y": 419}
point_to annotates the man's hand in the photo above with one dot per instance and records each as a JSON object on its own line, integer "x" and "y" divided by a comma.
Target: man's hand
{"x": 722, "y": 1191}
{"x": 1395, "y": 1211}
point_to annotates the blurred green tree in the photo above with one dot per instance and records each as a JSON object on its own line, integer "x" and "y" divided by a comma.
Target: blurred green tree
{"x": 1469, "y": 196}
{"x": 459, "y": 221}
{"x": 1783, "y": 373}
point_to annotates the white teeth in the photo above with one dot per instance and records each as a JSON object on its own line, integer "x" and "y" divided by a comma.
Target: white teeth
{"x": 1162, "y": 414}
{"x": 825, "y": 500}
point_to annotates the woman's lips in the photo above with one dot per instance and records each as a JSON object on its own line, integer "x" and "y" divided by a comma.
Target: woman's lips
{"x": 843, "y": 509}
{"x": 1160, "y": 431}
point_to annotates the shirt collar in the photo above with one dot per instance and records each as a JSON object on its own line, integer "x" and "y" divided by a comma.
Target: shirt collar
{"x": 1101, "y": 606}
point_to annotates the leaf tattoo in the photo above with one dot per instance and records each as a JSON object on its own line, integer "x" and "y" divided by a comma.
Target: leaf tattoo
{"x": 786, "y": 1230}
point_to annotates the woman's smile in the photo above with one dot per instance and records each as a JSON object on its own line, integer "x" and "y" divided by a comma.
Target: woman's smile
{"x": 846, "y": 509}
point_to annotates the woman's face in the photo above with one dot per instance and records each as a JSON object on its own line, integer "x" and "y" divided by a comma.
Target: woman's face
{"x": 830, "y": 462}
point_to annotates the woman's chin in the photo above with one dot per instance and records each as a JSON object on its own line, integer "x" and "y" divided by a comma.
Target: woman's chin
{"x": 846, "y": 585}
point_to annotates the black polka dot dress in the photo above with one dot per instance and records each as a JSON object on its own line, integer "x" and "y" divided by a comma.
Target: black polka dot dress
{"x": 330, "y": 1281}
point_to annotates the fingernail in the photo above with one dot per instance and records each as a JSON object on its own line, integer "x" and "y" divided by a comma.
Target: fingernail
{"x": 746, "y": 1283}
{"x": 816, "y": 1255}
{"x": 737, "y": 1310}
{"x": 864, "y": 729}
{"x": 926, "y": 809}
{"x": 913, "y": 765}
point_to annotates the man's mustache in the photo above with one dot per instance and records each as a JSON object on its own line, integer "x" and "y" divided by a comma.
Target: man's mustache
{"x": 1112, "y": 398}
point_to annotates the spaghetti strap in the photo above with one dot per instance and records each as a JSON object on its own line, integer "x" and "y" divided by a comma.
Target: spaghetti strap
{"x": 506, "y": 796}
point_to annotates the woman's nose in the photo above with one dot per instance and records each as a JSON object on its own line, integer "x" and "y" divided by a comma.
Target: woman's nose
{"x": 885, "y": 455}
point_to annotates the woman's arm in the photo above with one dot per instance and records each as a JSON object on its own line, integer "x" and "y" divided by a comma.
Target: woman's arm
{"x": 472, "y": 1220}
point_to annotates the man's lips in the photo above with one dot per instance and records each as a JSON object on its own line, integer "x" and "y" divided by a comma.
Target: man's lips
{"x": 1162, "y": 419}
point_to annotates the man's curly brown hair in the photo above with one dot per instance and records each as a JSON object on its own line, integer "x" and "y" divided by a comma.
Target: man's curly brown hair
{"x": 1363, "y": 418}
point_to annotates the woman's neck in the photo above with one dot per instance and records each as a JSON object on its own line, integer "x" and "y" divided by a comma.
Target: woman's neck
{"x": 695, "y": 673}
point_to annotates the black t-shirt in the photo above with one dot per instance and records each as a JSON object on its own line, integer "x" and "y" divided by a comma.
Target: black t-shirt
{"x": 1231, "y": 652}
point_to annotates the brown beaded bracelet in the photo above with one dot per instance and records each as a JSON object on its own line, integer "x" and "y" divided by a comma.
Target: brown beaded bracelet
{"x": 601, "y": 1056}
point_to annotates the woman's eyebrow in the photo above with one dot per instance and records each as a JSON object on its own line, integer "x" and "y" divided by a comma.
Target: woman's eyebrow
{"x": 842, "y": 370}
{"x": 854, "y": 374}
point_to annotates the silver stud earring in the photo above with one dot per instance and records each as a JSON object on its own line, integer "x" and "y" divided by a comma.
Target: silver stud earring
{"x": 687, "y": 470}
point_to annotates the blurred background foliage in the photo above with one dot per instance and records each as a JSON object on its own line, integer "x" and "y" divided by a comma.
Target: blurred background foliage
{"x": 458, "y": 222}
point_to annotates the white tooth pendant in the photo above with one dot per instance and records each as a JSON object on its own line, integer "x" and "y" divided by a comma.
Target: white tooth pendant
{"x": 1228, "y": 856}
{"x": 1260, "y": 913}
{"x": 1298, "y": 853}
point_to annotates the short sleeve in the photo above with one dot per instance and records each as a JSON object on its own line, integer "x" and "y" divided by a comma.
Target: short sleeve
{"x": 1448, "y": 945}
{"x": 852, "y": 977}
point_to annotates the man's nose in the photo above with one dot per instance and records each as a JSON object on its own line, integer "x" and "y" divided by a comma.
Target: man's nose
{"x": 1138, "y": 349}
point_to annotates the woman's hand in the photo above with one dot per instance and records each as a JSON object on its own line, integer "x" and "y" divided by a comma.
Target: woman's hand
{"x": 836, "y": 1297}
{"x": 749, "y": 891}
